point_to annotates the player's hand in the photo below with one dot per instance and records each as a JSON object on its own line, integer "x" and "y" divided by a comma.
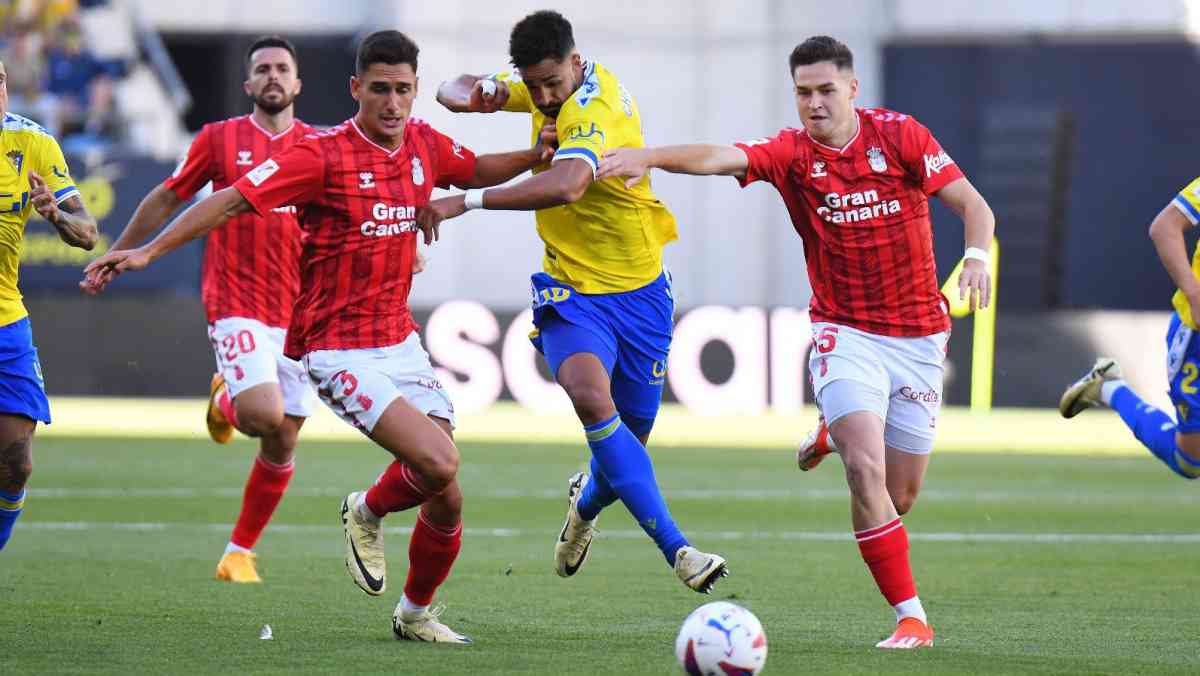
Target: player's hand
{"x": 487, "y": 96}
{"x": 419, "y": 263}
{"x": 43, "y": 200}
{"x": 548, "y": 135}
{"x": 430, "y": 216}
{"x": 100, "y": 272}
{"x": 633, "y": 163}
{"x": 975, "y": 283}
{"x": 1193, "y": 302}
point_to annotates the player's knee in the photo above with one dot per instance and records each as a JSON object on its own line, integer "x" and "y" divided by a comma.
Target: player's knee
{"x": 260, "y": 421}
{"x": 864, "y": 473}
{"x": 592, "y": 403}
{"x": 441, "y": 468}
{"x": 16, "y": 464}
{"x": 903, "y": 499}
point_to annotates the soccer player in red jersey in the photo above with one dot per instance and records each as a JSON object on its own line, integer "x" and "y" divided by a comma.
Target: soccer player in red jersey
{"x": 358, "y": 186}
{"x": 250, "y": 279}
{"x": 856, "y": 184}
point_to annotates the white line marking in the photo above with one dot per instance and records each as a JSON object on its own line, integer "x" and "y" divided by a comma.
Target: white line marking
{"x": 812, "y": 536}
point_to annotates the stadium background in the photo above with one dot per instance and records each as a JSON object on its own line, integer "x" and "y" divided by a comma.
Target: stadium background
{"x": 1040, "y": 545}
{"x": 1066, "y": 115}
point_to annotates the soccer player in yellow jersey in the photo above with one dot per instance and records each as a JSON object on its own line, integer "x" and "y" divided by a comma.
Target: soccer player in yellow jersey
{"x": 602, "y": 307}
{"x": 1176, "y": 444}
{"x": 33, "y": 176}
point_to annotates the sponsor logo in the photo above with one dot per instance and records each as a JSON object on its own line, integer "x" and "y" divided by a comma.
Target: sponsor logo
{"x": 592, "y": 135}
{"x": 239, "y": 373}
{"x": 856, "y": 206}
{"x": 364, "y": 401}
{"x": 658, "y": 372}
{"x": 245, "y": 158}
{"x": 457, "y": 150}
{"x": 818, "y": 169}
{"x": 389, "y": 220}
{"x": 935, "y": 163}
{"x": 418, "y": 172}
{"x": 429, "y": 383}
{"x": 876, "y": 160}
{"x": 262, "y": 172}
{"x": 366, "y": 179}
{"x": 554, "y": 294}
{"x": 926, "y": 396}
{"x": 626, "y": 100}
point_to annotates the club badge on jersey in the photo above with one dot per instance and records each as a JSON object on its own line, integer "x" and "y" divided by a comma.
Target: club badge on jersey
{"x": 876, "y": 160}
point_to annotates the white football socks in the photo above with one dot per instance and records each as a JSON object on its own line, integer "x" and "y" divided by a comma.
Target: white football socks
{"x": 234, "y": 548}
{"x": 910, "y": 608}
{"x": 410, "y": 611}
{"x": 1108, "y": 388}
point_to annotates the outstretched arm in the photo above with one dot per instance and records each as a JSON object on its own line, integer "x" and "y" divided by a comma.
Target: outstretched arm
{"x": 697, "y": 159}
{"x": 1166, "y": 231}
{"x": 74, "y": 224}
{"x": 195, "y": 222}
{"x": 496, "y": 168}
{"x": 473, "y": 94}
{"x": 151, "y": 213}
{"x": 979, "y": 227}
{"x": 565, "y": 182}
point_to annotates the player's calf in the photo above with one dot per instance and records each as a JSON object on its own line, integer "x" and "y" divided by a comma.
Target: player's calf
{"x": 16, "y": 461}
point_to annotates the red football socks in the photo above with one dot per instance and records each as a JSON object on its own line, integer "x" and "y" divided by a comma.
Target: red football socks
{"x": 397, "y": 489}
{"x": 264, "y": 489}
{"x": 431, "y": 553}
{"x": 885, "y": 550}
{"x": 225, "y": 403}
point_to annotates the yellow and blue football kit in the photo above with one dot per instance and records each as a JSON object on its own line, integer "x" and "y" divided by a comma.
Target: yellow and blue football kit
{"x": 26, "y": 147}
{"x": 603, "y": 289}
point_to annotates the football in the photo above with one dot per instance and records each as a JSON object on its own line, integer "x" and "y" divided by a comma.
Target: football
{"x": 721, "y": 639}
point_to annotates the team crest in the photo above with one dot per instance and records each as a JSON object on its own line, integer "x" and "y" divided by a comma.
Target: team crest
{"x": 876, "y": 160}
{"x": 17, "y": 158}
{"x": 366, "y": 179}
{"x": 818, "y": 169}
{"x": 245, "y": 158}
{"x": 418, "y": 172}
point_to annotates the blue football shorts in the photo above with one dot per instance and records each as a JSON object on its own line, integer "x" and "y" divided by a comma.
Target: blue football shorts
{"x": 629, "y": 332}
{"x": 22, "y": 391}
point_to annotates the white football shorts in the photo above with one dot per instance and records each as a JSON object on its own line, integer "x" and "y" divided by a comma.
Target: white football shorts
{"x": 897, "y": 379}
{"x": 250, "y": 353}
{"x": 358, "y": 385}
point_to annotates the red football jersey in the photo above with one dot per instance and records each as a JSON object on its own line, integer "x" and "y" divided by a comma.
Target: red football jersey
{"x": 249, "y": 270}
{"x": 358, "y": 204}
{"x": 863, "y": 214}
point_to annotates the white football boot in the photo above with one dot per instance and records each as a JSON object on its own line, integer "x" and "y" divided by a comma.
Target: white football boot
{"x": 425, "y": 628}
{"x": 575, "y": 539}
{"x": 698, "y": 570}
{"x": 1085, "y": 392}
{"x": 364, "y": 548}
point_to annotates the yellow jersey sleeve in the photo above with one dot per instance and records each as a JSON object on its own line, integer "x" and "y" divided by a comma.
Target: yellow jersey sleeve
{"x": 519, "y": 100}
{"x": 1188, "y": 201}
{"x": 50, "y": 164}
{"x": 584, "y": 130}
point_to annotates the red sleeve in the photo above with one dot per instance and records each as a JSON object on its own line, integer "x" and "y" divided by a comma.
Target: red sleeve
{"x": 924, "y": 157}
{"x": 769, "y": 159}
{"x": 456, "y": 162}
{"x": 196, "y": 169}
{"x": 295, "y": 177}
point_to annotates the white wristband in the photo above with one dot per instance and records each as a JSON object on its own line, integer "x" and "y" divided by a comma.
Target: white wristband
{"x": 473, "y": 199}
{"x": 976, "y": 253}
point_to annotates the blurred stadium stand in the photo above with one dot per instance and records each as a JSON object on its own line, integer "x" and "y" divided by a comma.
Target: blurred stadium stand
{"x": 1069, "y": 117}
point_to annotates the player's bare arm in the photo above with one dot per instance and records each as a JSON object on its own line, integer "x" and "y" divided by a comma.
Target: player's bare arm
{"x": 564, "y": 183}
{"x": 199, "y": 219}
{"x": 1167, "y": 232}
{"x": 696, "y": 159}
{"x": 74, "y": 224}
{"x": 473, "y": 94}
{"x": 151, "y": 213}
{"x": 496, "y": 168}
{"x": 979, "y": 226}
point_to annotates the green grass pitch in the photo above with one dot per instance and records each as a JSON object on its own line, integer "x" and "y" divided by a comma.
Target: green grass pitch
{"x": 1026, "y": 564}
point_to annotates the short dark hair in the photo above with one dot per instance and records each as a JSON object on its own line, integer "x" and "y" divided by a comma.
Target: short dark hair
{"x": 390, "y": 47}
{"x": 271, "y": 41}
{"x": 540, "y": 36}
{"x": 821, "y": 48}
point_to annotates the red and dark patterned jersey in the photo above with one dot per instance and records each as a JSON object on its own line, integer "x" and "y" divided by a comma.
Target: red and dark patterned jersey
{"x": 863, "y": 214}
{"x": 358, "y": 202}
{"x": 251, "y": 263}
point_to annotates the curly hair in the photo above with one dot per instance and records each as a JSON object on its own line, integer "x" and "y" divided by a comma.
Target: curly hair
{"x": 540, "y": 36}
